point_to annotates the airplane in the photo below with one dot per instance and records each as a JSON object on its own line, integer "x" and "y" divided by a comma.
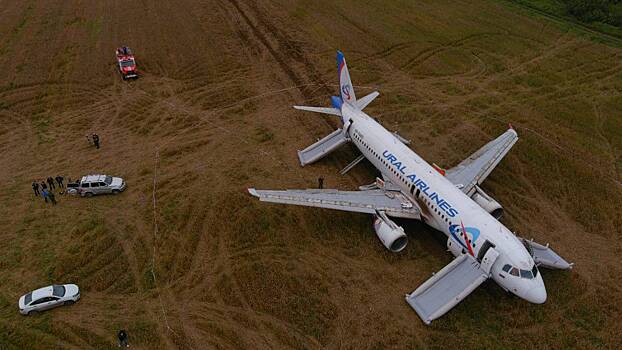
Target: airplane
{"x": 451, "y": 201}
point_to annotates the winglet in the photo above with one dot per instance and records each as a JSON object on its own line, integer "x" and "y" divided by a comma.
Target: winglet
{"x": 253, "y": 192}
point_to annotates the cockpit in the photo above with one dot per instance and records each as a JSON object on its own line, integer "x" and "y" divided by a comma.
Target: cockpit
{"x": 528, "y": 274}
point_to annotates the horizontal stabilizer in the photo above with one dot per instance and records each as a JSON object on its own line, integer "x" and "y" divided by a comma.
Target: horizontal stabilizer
{"x": 363, "y": 102}
{"x": 321, "y": 148}
{"x": 323, "y": 110}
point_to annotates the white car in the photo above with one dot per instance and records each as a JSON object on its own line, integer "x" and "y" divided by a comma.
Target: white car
{"x": 91, "y": 185}
{"x": 48, "y": 297}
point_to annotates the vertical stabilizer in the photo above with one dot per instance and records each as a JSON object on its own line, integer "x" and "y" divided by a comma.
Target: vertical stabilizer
{"x": 345, "y": 84}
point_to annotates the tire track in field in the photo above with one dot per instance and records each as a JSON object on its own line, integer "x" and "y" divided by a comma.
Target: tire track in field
{"x": 223, "y": 257}
{"x": 428, "y": 53}
{"x": 288, "y": 54}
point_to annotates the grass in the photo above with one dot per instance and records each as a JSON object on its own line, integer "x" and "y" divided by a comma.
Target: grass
{"x": 556, "y": 9}
{"x": 232, "y": 272}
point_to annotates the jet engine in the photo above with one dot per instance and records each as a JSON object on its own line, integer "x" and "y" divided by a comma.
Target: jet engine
{"x": 390, "y": 234}
{"x": 487, "y": 203}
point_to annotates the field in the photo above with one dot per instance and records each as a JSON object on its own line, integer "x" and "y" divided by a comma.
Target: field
{"x": 186, "y": 259}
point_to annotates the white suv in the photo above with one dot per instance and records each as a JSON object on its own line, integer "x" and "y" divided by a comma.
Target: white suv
{"x": 48, "y": 297}
{"x": 98, "y": 184}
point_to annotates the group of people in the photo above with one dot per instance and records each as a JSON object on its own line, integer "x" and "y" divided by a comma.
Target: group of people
{"x": 47, "y": 187}
{"x": 124, "y": 51}
{"x": 94, "y": 138}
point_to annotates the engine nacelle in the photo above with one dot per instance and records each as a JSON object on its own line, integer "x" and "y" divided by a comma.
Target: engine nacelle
{"x": 487, "y": 203}
{"x": 391, "y": 235}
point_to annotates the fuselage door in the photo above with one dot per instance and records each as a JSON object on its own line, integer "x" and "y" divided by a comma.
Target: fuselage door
{"x": 489, "y": 259}
{"x": 482, "y": 251}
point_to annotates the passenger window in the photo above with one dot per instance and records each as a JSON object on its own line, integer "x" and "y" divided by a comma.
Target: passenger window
{"x": 40, "y": 301}
{"x": 102, "y": 184}
{"x": 95, "y": 184}
{"x": 506, "y": 268}
{"x": 84, "y": 185}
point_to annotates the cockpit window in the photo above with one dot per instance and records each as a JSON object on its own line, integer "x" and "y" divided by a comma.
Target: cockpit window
{"x": 521, "y": 273}
{"x": 526, "y": 274}
{"x": 534, "y": 271}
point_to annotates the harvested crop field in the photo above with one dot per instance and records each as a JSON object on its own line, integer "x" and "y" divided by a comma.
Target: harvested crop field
{"x": 185, "y": 258}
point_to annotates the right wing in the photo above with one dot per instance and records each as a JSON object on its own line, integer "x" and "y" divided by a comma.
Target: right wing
{"x": 393, "y": 203}
{"x": 474, "y": 170}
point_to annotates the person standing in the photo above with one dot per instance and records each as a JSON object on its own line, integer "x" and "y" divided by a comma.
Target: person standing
{"x": 59, "y": 180}
{"x": 45, "y": 193}
{"x": 52, "y": 198}
{"x": 123, "y": 339}
{"x": 35, "y": 187}
{"x": 51, "y": 183}
{"x": 320, "y": 183}
{"x": 96, "y": 140}
{"x": 43, "y": 185}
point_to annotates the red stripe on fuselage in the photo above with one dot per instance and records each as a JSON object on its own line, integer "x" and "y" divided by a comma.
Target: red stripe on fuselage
{"x": 466, "y": 239}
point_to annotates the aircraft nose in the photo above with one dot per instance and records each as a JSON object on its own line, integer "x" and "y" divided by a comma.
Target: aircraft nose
{"x": 537, "y": 295}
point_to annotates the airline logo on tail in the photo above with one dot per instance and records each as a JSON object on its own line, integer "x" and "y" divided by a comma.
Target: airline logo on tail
{"x": 345, "y": 91}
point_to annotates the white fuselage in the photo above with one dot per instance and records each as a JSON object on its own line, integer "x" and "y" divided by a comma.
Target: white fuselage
{"x": 444, "y": 206}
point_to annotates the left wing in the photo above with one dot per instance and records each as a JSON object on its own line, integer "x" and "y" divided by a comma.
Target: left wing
{"x": 393, "y": 203}
{"x": 476, "y": 168}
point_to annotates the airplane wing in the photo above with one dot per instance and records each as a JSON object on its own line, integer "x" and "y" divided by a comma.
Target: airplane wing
{"x": 393, "y": 203}
{"x": 474, "y": 170}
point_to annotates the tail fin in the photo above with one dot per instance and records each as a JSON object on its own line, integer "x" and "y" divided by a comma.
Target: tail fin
{"x": 345, "y": 84}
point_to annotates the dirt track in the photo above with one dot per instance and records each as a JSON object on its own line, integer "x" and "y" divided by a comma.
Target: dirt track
{"x": 186, "y": 259}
